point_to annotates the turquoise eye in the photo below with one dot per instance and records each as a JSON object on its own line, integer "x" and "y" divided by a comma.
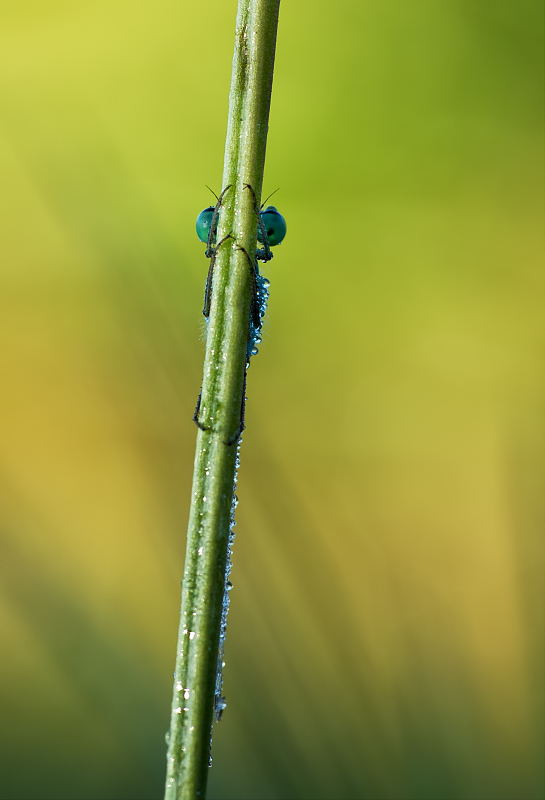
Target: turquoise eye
{"x": 204, "y": 220}
{"x": 275, "y": 226}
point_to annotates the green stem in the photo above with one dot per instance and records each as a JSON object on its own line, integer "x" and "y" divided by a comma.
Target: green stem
{"x": 212, "y": 499}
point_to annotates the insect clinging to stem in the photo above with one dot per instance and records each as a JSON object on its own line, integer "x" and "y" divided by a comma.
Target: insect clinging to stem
{"x": 271, "y": 231}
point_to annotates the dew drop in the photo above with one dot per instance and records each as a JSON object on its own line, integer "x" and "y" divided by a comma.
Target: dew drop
{"x": 221, "y": 705}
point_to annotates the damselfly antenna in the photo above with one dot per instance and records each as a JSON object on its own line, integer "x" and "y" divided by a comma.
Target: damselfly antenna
{"x": 269, "y": 197}
{"x": 213, "y": 192}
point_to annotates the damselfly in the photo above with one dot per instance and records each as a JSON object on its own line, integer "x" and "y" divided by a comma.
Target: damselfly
{"x": 271, "y": 230}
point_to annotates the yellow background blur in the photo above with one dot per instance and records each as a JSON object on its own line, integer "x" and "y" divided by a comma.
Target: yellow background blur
{"x": 385, "y": 632}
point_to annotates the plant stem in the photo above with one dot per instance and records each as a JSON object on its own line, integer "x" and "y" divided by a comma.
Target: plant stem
{"x": 212, "y": 499}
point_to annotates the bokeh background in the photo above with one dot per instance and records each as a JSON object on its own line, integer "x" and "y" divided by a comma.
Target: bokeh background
{"x": 385, "y": 633}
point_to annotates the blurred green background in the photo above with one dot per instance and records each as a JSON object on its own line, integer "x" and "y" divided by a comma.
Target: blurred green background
{"x": 385, "y": 633}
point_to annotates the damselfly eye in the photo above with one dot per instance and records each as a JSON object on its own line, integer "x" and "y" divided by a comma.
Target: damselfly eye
{"x": 275, "y": 226}
{"x": 204, "y": 220}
